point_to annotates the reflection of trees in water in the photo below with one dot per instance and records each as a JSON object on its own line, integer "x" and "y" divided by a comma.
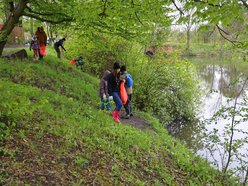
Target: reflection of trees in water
{"x": 207, "y": 73}
{"x": 225, "y": 80}
{"x": 230, "y": 81}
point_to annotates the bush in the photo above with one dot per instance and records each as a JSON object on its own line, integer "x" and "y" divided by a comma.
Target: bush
{"x": 167, "y": 90}
{"x": 163, "y": 85}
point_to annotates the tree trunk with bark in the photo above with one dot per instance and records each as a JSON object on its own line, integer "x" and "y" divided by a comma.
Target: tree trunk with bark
{"x": 11, "y": 21}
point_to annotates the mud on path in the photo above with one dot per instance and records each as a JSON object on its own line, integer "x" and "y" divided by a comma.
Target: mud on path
{"x": 136, "y": 121}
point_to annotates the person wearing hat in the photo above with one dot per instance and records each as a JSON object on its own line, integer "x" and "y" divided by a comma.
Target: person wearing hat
{"x": 129, "y": 88}
{"x": 113, "y": 80}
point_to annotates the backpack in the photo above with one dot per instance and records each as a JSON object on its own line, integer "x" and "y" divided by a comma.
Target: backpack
{"x": 129, "y": 81}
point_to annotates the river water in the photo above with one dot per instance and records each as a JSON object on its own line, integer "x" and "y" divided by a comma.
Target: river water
{"x": 222, "y": 84}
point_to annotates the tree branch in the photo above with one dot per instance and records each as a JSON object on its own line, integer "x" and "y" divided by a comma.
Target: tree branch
{"x": 244, "y": 3}
{"x": 104, "y": 28}
{"x": 181, "y": 12}
{"x": 230, "y": 144}
{"x": 210, "y": 4}
{"x": 221, "y": 31}
{"x": 211, "y": 32}
{"x": 136, "y": 15}
{"x": 66, "y": 19}
{"x": 45, "y": 13}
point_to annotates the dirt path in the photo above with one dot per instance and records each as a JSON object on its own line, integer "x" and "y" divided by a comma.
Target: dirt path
{"x": 136, "y": 121}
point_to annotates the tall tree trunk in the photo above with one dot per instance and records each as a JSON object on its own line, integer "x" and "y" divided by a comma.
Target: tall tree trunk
{"x": 31, "y": 27}
{"x": 188, "y": 38}
{"x": 48, "y": 33}
{"x": 10, "y": 23}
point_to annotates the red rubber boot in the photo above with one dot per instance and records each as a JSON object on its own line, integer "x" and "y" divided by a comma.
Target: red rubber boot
{"x": 115, "y": 116}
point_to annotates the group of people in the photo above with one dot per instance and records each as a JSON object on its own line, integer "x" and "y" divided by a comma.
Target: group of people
{"x": 110, "y": 86}
{"x": 39, "y": 42}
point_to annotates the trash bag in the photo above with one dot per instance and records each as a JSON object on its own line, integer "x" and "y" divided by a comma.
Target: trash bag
{"x": 72, "y": 62}
{"x": 123, "y": 93}
{"x": 43, "y": 51}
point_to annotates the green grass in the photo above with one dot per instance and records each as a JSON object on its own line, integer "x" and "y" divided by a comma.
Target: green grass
{"x": 209, "y": 49}
{"x": 51, "y": 132}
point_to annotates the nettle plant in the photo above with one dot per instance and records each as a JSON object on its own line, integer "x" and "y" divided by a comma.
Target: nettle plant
{"x": 228, "y": 147}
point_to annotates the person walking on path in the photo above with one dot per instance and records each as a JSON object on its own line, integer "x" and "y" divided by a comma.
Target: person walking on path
{"x": 129, "y": 88}
{"x": 113, "y": 80}
{"x": 42, "y": 37}
{"x": 103, "y": 92}
{"x": 59, "y": 44}
{"x": 35, "y": 46}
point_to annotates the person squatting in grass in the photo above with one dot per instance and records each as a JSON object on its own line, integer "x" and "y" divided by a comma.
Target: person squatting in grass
{"x": 35, "y": 46}
{"x": 59, "y": 44}
{"x": 103, "y": 92}
{"x": 113, "y": 80}
{"x": 129, "y": 88}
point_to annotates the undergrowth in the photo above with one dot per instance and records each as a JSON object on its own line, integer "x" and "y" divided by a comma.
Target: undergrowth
{"x": 51, "y": 132}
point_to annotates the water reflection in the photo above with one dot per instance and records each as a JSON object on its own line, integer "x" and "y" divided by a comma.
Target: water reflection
{"x": 220, "y": 82}
{"x": 222, "y": 78}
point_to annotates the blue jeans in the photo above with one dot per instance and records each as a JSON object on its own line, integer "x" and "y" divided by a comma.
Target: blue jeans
{"x": 105, "y": 102}
{"x": 117, "y": 100}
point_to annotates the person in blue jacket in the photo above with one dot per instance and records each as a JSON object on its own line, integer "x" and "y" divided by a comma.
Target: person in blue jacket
{"x": 129, "y": 88}
{"x": 59, "y": 44}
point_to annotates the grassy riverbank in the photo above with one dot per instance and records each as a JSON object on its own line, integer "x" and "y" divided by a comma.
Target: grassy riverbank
{"x": 51, "y": 132}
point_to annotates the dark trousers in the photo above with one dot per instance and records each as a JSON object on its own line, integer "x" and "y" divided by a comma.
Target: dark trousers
{"x": 128, "y": 105}
{"x": 58, "y": 51}
{"x": 40, "y": 56}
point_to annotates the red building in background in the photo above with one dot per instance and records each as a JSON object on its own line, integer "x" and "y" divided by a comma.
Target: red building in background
{"x": 16, "y": 36}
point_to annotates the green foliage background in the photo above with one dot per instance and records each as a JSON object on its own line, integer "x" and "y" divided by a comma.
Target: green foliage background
{"x": 163, "y": 86}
